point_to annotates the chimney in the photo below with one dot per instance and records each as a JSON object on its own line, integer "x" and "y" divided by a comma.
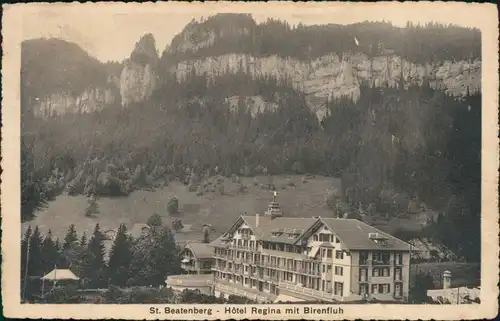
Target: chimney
{"x": 446, "y": 279}
{"x": 257, "y": 220}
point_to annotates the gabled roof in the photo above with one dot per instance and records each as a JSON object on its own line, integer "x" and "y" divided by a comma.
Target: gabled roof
{"x": 200, "y": 250}
{"x": 354, "y": 235}
{"x": 59, "y": 275}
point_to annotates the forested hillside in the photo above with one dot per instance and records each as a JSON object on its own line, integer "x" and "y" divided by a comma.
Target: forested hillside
{"x": 225, "y": 33}
{"x": 406, "y": 138}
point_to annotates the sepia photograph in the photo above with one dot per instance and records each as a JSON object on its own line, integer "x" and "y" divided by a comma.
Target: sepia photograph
{"x": 250, "y": 161}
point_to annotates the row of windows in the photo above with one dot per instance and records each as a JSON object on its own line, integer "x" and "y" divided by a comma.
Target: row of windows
{"x": 322, "y": 237}
{"x": 380, "y": 258}
{"x": 339, "y": 270}
{"x": 384, "y": 272}
{"x": 377, "y": 288}
{"x": 327, "y": 253}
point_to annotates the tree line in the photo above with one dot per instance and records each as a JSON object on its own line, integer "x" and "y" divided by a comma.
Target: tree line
{"x": 239, "y": 33}
{"x": 144, "y": 261}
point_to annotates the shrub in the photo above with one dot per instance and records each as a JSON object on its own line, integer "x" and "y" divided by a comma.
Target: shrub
{"x": 173, "y": 205}
{"x": 177, "y": 225}
{"x": 192, "y": 187}
{"x": 221, "y": 190}
{"x": 154, "y": 220}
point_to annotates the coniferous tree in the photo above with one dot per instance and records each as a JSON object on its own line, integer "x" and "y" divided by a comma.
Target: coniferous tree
{"x": 206, "y": 235}
{"x": 83, "y": 240}
{"x": 97, "y": 251}
{"x": 70, "y": 238}
{"x": 120, "y": 258}
{"x": 50, "y": 253}
{"x": 35, "y": 266}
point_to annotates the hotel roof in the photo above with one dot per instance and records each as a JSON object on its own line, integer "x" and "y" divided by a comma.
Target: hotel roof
{"x": 353, "y": 233}
{"x": 200, "y": 250}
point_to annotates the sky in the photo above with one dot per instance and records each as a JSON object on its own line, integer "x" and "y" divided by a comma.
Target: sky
{"x": 109, "y": 31}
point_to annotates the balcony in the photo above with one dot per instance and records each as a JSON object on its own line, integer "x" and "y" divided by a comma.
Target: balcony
{"x": 306, "y": 291}
{"x": 188, "y": 267}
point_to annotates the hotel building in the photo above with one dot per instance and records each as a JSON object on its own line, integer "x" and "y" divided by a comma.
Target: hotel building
{"x": 272, "y": 258}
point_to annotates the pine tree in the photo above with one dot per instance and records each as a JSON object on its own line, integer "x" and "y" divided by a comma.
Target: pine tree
{"x": 206, "y": 235}
{"x": 120, "y": 258}
{"x": 83, "y": 240}
{"x": 35, "y": 267}
{"x": 70, "y": 237}
{"x": 96, "y": 249}
{"x": 50, "y": 253}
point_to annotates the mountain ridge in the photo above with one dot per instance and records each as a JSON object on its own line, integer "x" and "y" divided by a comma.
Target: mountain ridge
{"x": 323, "y": 61}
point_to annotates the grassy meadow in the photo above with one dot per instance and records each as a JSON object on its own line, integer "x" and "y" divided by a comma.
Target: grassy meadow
{"x": 296, "y": 197}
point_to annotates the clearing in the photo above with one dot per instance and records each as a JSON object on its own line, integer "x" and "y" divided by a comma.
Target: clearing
{"x": 304, "y": 199}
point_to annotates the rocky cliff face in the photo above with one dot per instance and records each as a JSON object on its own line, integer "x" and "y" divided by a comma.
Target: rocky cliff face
{"x": 336, "y": 76}
{"x": 92, "y": 99}
{"x": 139, "y": 76}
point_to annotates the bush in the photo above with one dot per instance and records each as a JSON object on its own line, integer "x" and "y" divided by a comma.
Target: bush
{"x": 221, "y": 190}
{"x": 173, "y": 206}
{"x": 154, "y": 220}
{"x": 177, "y": 225}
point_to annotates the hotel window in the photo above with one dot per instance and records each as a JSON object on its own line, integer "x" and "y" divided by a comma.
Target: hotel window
{"x": 331, "y": 238}
{"x": 339, "y": 270}
{"x": 246, "y": 281}
{"x": 339, "y": 288}
{"x": 397, "y": 290}
{"x": 376, "y": 272}
{"x": 324, "y": 268}
{"x": 337, "y": 240}
{"x": 329, "y": 253}
{"x": 363, "y": 289}
{"x": 375, "y": 288}
{"x": 386, "y": 288}
{"x": 315, "y": 237}
{"x": 323, "y": 252}
{"x": 339, "y": 255}
{"x": 363, "y": 258}
{"x": 398, "y": 274}
{"x": 398, "y": 257}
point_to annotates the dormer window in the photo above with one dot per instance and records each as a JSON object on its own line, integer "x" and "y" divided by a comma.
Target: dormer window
{"x": 293, "y": 235}
{"x": 378, "y": 238}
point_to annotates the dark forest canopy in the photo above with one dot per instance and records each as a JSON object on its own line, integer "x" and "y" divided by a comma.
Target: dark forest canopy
{"x": 232, "y": 33}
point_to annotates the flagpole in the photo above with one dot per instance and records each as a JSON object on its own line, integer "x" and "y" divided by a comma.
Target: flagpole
{"x": 26, "y": 268}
